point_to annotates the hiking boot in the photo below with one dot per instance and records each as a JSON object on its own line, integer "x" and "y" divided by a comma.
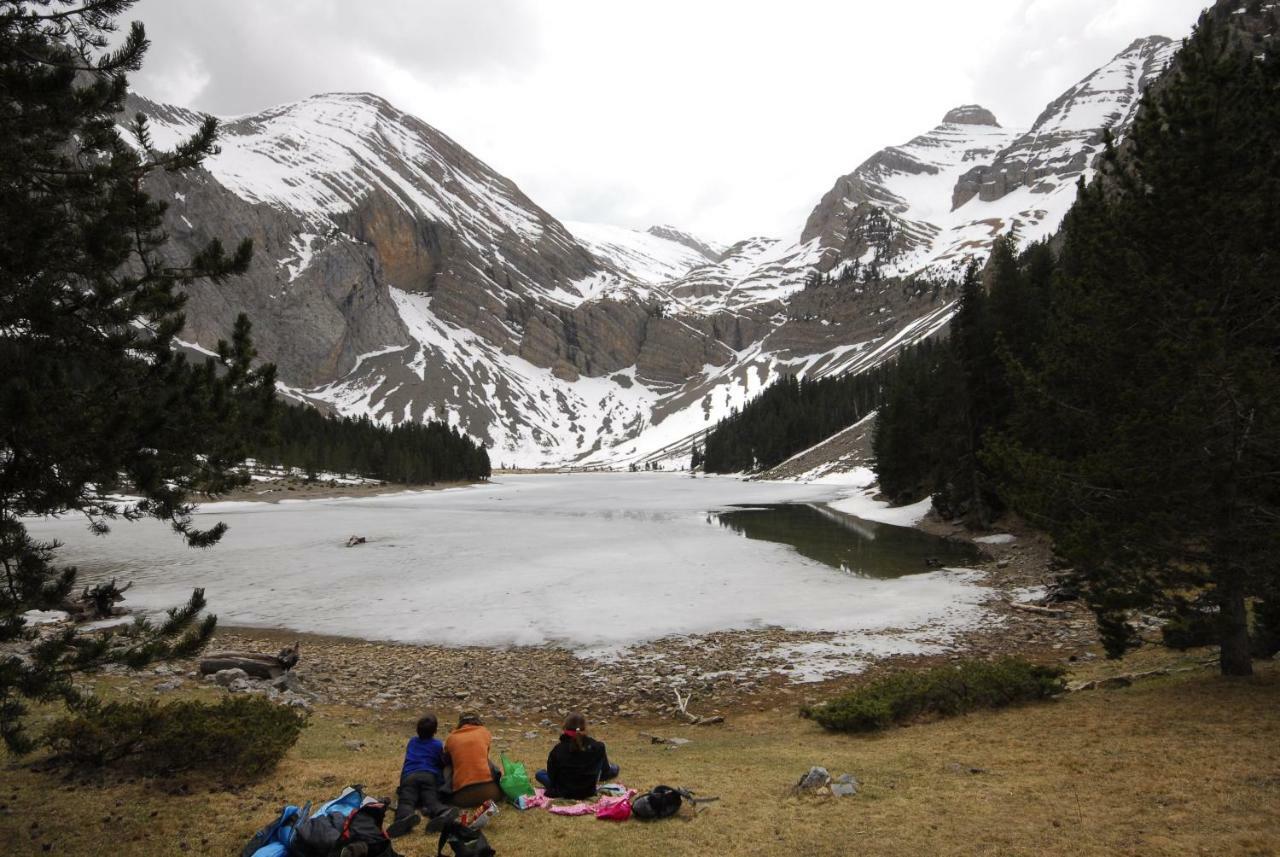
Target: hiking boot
{"x": 401, "y": 826}
{"x": 355, "y": 849}
{"x": 440, "y": 821}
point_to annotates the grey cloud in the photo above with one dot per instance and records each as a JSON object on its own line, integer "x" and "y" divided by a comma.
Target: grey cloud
{"x": 250, "y": 55}
{"x": 1050, "y": 45}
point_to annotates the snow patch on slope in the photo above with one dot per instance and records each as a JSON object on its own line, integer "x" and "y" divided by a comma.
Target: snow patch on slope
{"x": 646, "y": 257}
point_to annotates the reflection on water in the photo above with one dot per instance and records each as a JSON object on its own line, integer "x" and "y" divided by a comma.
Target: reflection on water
{"x": 844, "y": 542}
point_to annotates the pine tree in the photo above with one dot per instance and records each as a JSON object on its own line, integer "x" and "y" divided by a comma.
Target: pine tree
{"x": 93, "y": 397}
{"x": 1148, "y": 439}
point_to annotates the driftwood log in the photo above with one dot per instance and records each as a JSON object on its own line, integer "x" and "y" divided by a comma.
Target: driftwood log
{"x": 253, "y": 663}
{"x": 1126, "y": 679}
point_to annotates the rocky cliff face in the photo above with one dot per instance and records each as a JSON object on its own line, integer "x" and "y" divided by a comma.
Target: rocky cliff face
{"x": 1067, "y": 138}
{"x": 345, "y": 196}
{"x": 896, "y": 205}
{"x": 398, "y": 276}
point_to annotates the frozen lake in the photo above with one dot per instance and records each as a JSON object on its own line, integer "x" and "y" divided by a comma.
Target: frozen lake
{"x": 589, "y": 561}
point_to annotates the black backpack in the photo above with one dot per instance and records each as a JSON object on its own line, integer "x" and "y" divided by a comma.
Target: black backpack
{"x": 365, "y": 825}
{"x": 325, "y": 835}
{"x": 464, "y": 842}
{"x": 662, "y": 802}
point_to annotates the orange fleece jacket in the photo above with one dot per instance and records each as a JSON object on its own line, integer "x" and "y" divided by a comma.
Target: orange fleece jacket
{"x": 468, "y": 749}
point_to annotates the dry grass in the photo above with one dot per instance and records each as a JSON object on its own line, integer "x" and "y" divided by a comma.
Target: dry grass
{"x": 1184, "y": 765}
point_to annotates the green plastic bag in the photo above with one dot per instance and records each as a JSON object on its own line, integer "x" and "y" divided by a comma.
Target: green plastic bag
{"x": 515, "y": 780}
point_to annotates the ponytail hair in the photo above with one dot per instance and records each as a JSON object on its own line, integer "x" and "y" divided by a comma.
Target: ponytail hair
{"x": 575, "y": 727}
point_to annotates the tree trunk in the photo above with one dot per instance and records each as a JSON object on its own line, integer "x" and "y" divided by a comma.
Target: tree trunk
{"x": 1235, "y": 656}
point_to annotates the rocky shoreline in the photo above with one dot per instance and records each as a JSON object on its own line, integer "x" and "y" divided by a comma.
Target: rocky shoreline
{"x": 723, "y": 673}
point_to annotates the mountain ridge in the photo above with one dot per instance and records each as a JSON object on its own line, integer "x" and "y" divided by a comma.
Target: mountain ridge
{"x": 400, "y": 277}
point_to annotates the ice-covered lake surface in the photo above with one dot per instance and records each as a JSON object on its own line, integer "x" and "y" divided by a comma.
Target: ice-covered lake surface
{"x": 595, "y": 562}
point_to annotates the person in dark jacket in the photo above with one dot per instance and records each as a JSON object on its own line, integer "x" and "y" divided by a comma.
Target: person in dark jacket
{"x": 420, "y": 782}
{"x": 577, "y": 764}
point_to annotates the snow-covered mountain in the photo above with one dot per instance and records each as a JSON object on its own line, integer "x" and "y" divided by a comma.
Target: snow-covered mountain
{"x": 658, "y": 255}
{"x": 929, "y": 205}
{"x": 398, "y": 276}
{"x": 948, "y": 194}
{"x": 896, "y": 208}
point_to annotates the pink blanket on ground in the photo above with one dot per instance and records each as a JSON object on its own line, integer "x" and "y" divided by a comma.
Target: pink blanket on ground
{"x": 537, "y": 800}
{"x": 606, "y": 807}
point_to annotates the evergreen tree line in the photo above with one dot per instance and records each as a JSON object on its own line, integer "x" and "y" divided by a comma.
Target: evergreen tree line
{"x": 409, "y": 453}
{"x": 1125, "y": 395}
{"x": 1120, "y": 389}
{"x": 790, "y": 416}
{"x": 944, "y": 399}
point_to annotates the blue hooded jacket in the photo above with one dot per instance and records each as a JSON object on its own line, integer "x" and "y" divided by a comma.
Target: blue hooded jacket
{"x": 422, "y": 755}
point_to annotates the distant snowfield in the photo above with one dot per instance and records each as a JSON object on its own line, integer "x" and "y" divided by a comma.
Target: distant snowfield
{"x": 596, "y": 563}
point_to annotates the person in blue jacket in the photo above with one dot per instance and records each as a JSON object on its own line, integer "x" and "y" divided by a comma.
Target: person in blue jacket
{"x": 421, "y": 779}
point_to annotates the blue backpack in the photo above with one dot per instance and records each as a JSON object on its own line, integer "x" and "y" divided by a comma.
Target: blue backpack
{"x": 277, "y": 839}
{"x": 273, "y": 840}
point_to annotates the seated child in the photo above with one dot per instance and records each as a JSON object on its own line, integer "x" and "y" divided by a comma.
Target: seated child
{"x": 577, "y": 764}
{"x": 421, "y": 779}
{"x": 474, "y": 777}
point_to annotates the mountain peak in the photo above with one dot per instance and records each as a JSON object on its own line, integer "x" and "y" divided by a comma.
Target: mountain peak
{"x": 971, "y": 114}
{"x": 1145, "y": 43}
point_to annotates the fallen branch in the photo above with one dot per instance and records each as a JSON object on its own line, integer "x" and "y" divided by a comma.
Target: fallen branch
{"x": 1040, "y": 611}
{"x": 1118, "y": 681}
{"x": 682, "y": 706}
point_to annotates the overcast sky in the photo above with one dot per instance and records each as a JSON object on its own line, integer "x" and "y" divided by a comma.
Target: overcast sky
{"x": 725, "y": 117}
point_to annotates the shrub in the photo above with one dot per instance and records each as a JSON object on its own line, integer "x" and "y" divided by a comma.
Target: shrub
{"x": 240, "y": 736}
{"x": 1190, "y": 630}
{"x": 1265, "y": 634}
{"x": 941, "y": 692}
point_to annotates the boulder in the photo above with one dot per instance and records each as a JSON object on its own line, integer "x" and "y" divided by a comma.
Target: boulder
{"x": 228, "y": 677}
{"x": 817, "y": 778}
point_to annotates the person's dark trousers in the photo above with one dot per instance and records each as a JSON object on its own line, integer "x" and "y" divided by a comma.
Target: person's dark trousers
{"x": 419, "y": 790}
{"x": 607, "y": 772}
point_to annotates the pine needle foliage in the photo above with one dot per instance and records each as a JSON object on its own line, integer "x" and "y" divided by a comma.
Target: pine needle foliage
{"x": 95, "y": 402}
{"x": 238, "y": 738}
{"x": 905, "y": 697}
{"x": 1146, "y": 439}
{"x": 408, "y": 453}
{"x": 791, "y": 415}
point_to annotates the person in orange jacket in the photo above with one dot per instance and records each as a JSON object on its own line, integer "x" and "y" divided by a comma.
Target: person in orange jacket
{"x": 475, "y": 777}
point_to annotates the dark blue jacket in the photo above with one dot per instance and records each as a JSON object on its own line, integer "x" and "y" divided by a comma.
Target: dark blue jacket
{"x": 422, "y": 755}
{"x": 575, "y": 773}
